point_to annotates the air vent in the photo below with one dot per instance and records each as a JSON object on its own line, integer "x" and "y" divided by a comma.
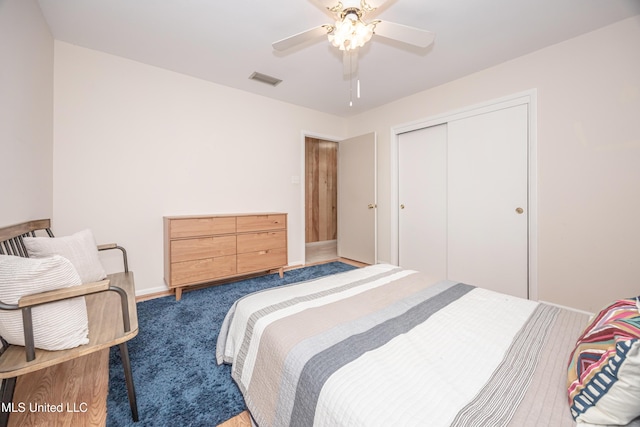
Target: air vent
{"x": 265, "y": 79}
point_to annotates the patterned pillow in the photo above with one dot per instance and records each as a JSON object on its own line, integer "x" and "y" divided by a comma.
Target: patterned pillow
{"x": 80, "y": 248}
{"x": 57, "y": 325}
{"x": 604, "y": 368}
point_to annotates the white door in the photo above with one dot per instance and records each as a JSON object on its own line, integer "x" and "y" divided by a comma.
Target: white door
{"x": 422, "y": 193}
{"x": 487, "y": 208}
{"x": 357, "y": 198}
{"x": 464, "y": 188}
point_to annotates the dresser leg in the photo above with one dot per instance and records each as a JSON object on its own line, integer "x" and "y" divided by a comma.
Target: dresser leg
{"x": 281, "y": 272}
{"x": 178, "y": 294}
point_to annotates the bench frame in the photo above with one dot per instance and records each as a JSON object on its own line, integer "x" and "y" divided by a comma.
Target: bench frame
{"x": 111, "y": 309}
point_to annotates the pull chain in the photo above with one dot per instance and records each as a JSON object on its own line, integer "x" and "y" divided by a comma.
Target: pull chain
{"x": 353, "y": 76}
{"x": 350, "y": 80}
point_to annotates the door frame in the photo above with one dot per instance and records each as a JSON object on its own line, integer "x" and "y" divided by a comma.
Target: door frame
{"x": 303, "y": 223}
{"x": 301, "y": 180}
{"x": 529, "y": 98}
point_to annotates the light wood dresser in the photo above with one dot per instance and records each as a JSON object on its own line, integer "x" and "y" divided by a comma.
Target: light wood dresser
{"x": 206, "y": 248}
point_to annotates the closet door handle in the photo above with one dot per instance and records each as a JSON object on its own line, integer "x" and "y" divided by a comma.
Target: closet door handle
{"x": 401, "y": 206}
{"x": 519, "y": 211}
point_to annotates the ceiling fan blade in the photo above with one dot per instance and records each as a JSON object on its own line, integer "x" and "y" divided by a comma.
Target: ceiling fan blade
{"x": 330, "y": 7}
{"x": 350, "y": 62}
{"x": 378, "y": 3}
{"x": 300, "y": 38}
{"x": 402, "y": 33}
{"x": 327, "y": 3}
{"x": 378, "y": 6}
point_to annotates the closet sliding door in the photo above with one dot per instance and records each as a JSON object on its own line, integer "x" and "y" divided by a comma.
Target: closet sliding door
{"x": 487, "y": 208}
{"x": 462, "y": 189}
{"x": 422, "y": 220}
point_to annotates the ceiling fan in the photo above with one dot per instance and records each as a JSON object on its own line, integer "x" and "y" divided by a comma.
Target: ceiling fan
{"x": 352, "y": 29}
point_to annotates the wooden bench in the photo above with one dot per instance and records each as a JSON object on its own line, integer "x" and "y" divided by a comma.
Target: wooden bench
{"x": 111, "y": 310}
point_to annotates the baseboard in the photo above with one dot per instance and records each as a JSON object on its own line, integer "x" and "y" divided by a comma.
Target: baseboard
{"x": 567, "y": 308}
{"x": 156, "y": 290}
{"x": 321, "y": 243}
{"x": 160, "y": 291}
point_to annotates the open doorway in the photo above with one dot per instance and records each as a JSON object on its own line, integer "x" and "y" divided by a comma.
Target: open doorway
{"x": 321, "y": 200}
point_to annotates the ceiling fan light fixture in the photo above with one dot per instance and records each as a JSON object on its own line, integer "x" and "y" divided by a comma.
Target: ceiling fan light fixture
{"x": 350, "y": 32}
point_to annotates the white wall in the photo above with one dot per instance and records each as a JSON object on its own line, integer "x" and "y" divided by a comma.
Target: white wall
{"x": 133, "y": 143}
{"x": 26, "y": 117}
{"x": 588, "y": 157}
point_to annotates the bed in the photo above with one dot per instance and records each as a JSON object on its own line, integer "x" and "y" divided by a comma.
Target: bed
{"x": 381, "y": 346}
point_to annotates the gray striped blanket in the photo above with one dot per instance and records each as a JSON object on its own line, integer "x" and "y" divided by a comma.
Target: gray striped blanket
{"x": 382, "y": 346}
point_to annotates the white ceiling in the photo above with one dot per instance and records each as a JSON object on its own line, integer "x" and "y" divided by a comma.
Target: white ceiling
{"x": 225, "y": 42}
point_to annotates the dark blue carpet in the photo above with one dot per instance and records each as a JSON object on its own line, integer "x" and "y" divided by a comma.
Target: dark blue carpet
{"x": 173, "y": 357}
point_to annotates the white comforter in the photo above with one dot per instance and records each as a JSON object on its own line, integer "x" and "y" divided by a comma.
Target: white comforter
{"x": 383, "y": 346}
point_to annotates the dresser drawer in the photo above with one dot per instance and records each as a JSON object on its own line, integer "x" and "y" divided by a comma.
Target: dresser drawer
{"x": 202, "y": 270}
{"x": 254, "y": 242}
{"x": 261, "y": 222}
{"x": 203, "y": 247}
{"x": 262, "y": 260}
{"x": 193, "y": 227}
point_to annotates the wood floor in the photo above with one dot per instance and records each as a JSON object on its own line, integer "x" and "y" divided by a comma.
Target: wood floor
{"x": 81, "y": 385}
{"x": 241, "y": 420}
{"x": 78, "y": 388}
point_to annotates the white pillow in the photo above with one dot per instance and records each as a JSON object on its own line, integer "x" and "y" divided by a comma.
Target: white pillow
{"x": 79, "y": 248}
{"x": 56, "y": 326}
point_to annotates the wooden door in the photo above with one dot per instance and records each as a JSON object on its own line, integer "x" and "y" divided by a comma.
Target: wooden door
{"x": 487, "y": 212}
{"x": 357, "y": 198}
{"x": 321, "y": 190}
